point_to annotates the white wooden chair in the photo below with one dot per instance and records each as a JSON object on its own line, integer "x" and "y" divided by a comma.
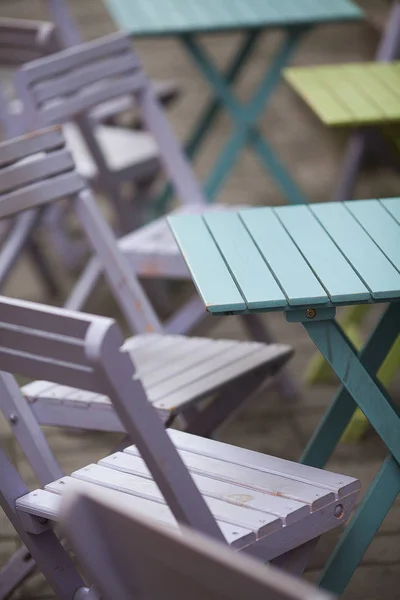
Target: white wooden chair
{"x": 271, "y": 508}
{"x": 128, "y": 555}
{"x": 59, "y": 88}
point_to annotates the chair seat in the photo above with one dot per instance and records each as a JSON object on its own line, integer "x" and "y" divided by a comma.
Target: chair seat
{"x": 123, "y": 149}
{"x": 259, "y": 501}
{"x": 153, "y": 250}
{"x": 175, "y": 371}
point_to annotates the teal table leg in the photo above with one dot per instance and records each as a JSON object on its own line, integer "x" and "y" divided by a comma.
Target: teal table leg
{"x": 245, "y": 118}
{"x": 361, "y": 530}
{"x": 212, "y": 110}
{"x": 365, "y": 389}
{"x": 330, "y": 430}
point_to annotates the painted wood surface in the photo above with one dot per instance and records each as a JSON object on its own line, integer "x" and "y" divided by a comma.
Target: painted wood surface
{"x": 351, "y": 94}
{"x": 174, "y": 17}
{"x": 283, "y": 258}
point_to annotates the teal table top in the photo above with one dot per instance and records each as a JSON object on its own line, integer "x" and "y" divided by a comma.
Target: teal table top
{"x": 293, "y": 257}
{"x": 175, "y": 17}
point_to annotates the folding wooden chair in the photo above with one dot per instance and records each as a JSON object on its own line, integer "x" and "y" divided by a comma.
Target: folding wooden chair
{"x": 271, "y": 508}
{"x": 21, "y": 41}
{"x": 62, "y": 87}
{"x": 178, "y": 371}
{"x": 68, "y": 35}
{"x": 130, "y": 556}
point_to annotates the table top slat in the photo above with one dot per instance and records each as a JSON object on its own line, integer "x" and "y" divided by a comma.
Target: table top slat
{"x": 377, "y": 272}
{"x": 351, "y": 94}
{"x": 178, "y": 17}
{"x": 392, "y": 205}
{"x": 314, "y": 91}
{"x": 380, "y": 226}
{"x": 210, "y": 273}
{"x": 333, "y": 270}
{"x": 283, "y": 257}
{"x": 253, "y": 277}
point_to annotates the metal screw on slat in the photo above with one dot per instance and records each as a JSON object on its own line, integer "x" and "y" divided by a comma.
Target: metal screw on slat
{"x": 310, "y": 313}
{"x": 338, "y": 512}
{"x": 13, "y": 418}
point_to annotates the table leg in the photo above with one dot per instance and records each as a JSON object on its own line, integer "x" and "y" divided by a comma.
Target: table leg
{"x": 212, "y": 110}
{"x": 245, "y": 117}
{"x": 361, "y": 530}
{"x": 335, "y": 420}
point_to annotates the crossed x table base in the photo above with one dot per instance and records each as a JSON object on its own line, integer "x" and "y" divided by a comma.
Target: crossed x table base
{"x": 357, "y": 372}
{"x": 306, "y": 261}
{"x": 245, "y": 118}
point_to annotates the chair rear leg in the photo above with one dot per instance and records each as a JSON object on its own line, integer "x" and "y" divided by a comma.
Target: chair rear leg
{"x": 352, "y": 163}
{"x": 231, "y": 397}
{"x": 258, "y": 331}
{"x": 296, "y": 560}
{"x": 44, "y": 546}
{"x": 15, "y": 571}
{"x": 17, "y": 240}
{"x": 84, "y": 286}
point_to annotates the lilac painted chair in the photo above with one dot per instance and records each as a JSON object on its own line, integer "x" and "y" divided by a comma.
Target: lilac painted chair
{"x": 270, "y": 508}
{"x": 178, "y": 372}
{"x": 128, "y": 556}
{"x": 62, "y": 87}
{"x": 21, "y": 41}
{"x": 68, "y": 35}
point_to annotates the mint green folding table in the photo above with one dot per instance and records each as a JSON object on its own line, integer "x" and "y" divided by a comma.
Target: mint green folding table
{"x": 306, "y": 261}
{"x": 186, "y": 19}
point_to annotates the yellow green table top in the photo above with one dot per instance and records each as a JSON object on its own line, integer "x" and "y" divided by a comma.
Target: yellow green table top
{"x": 350, "y": 94}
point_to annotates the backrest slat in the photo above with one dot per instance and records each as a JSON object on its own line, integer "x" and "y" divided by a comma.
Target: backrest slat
{"x": 22, "y": 40}
{"x": 67, "y": 109}
{"x": 36, "y": 169}
{"x": 49, "y": 343}
{"x": 73, "y": 81}
{"x": 40, "y": 141}
{"x": 40, "y": 193}
{"x": 39, "y": 166}
{"x": 76, "y": 57}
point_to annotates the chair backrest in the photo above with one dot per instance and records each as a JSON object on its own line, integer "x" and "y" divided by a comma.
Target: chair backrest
{"x": 84, "y": 351}
{"x": 127, "y": 556}
{"x": 36, "y": 169}
{"x": 22, "y": 41}
{"x": 68, "y": 84}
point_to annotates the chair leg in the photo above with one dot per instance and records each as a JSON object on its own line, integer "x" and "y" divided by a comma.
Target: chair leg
{"x": 43, "y": 268}
{"x": 27, "y": 431}
{"x": 187, "y": 317}
{"x": 15, "y": 571}
{"x": 296, "y": 560}
{"x": 258, "y": 331}
{"x": 361, "y": 530}
{"x": 230, "y": 398}
{"x": 84, "y": 286}
{"x": 352, "y": 163}
{"x": 47, "y": 551}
